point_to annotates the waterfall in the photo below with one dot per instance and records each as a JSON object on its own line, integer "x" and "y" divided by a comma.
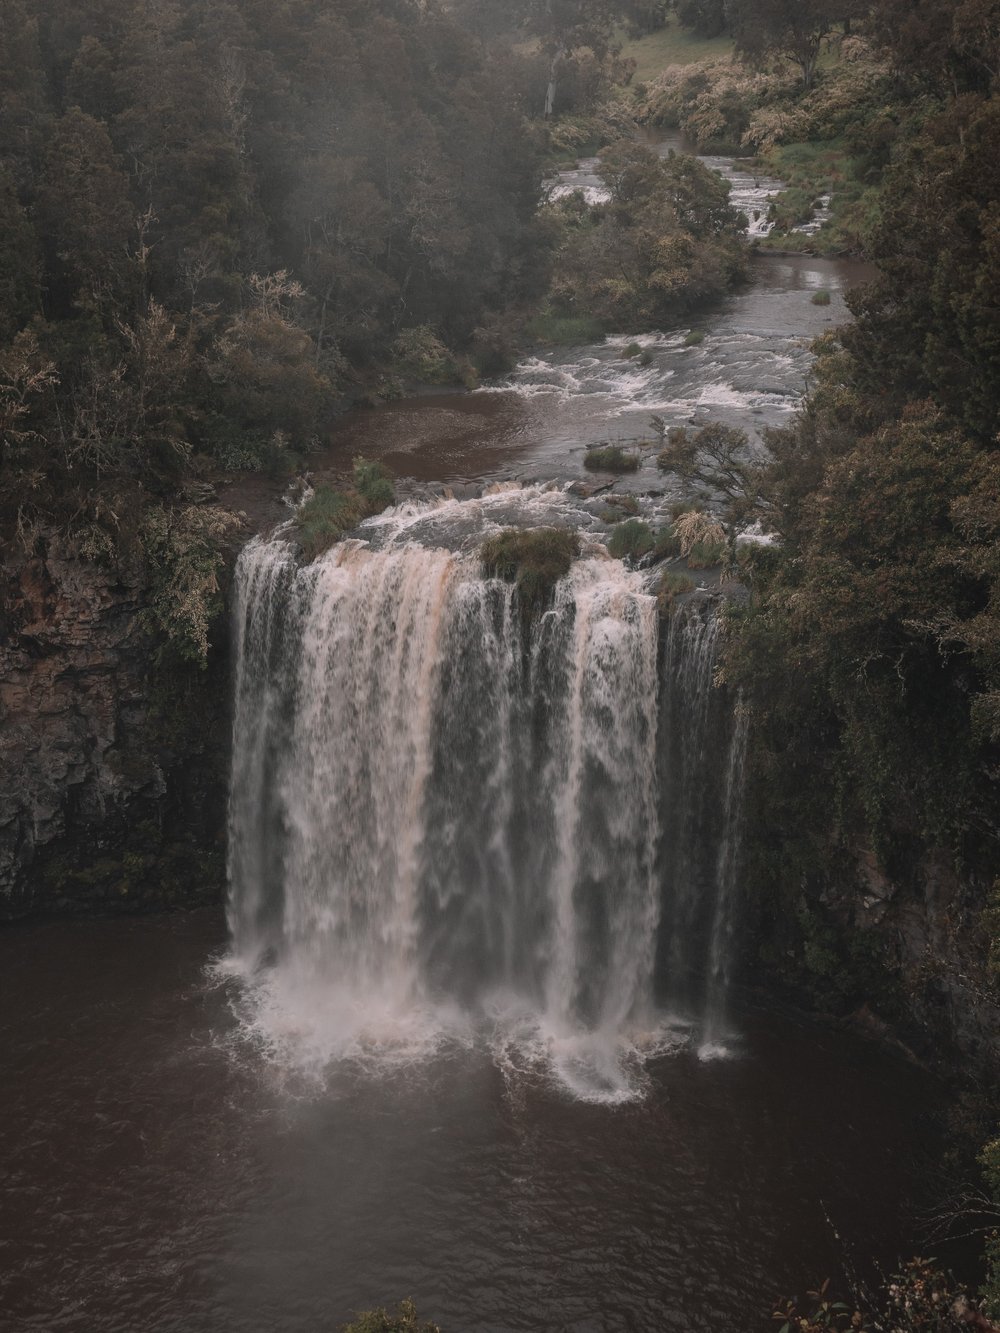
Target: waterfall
{"x": 445, "y": 820}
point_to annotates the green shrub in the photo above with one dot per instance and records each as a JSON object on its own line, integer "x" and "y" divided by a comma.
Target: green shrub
{"x": 633, "y": 349}
{"x": 183, "y": 551}
{"x": 610, "y": 458}
{"x": 621, "y": 506}
{"x": 671, "y": 585}
{"x": 646, "y": 357}
{"x": 329, "y": 514}
{"x": 821, "y": 298}
{"x": 420, "y": 354}
{"x": 667, "y": 543}
{"x": 373, "y": 482}
{"x": 325, "y": 517}
{"x": 695, "y": 338}
{"x": 534, "y": 559}
{"x": 633, "y": 538}
{"x": 706, "y": 555}
{"x": 564, "y": 330}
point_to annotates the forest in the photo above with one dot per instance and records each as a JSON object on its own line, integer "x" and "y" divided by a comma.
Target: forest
{"x": 226, "y": 223}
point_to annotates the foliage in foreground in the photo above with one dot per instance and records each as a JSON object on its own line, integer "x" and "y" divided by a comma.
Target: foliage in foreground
{"x": 403, "y": 1320}
{"x": 922, "y": 1298}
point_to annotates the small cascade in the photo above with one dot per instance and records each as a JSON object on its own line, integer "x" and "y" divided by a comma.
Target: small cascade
{"x": 445, "y": 819}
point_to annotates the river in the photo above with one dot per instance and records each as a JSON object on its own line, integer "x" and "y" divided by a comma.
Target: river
{"x": 751, "y": 371}
{"x": 173, "y": 1163}
{"x": 161, "y": 1174}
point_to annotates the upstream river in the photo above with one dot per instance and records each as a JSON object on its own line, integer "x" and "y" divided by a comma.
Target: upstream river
{"x": 167, "y": 1167}
{"x": 750, "y": 370}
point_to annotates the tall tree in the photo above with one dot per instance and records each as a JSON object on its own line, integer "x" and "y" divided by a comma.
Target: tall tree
{"x": 564, "y": 26}
{"x": 794, "y": 29}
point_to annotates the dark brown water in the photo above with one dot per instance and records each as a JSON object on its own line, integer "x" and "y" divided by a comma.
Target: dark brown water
{"x": 159, "y": 1174}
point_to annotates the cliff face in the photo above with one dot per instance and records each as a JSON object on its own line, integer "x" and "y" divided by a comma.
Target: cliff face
{"x": 928, "y": 931}
{"x": 113, "y": 767}
{"x": 904, "y": 954}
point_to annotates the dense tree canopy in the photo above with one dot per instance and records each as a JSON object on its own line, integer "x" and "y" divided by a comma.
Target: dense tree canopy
{"x": 215, "y": 215}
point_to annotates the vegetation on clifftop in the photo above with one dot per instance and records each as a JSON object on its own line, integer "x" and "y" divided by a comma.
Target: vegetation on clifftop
{"x": 534, "y": 559}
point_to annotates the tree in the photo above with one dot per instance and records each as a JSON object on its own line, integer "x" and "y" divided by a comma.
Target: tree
{"x": 707, "y": 18}
{"x": 665, "y": 242}
{"x": 794, "y": 29}
{"x": 20, "y": 262}
{"x": 929, "y": 325}
{"x": 84, "y": 219}
{"x": 564, "y": 26}
{"x": 953, "y": 45}
{"x": 643, "y": 17}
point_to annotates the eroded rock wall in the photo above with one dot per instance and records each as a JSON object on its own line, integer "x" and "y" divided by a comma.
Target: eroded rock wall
{"x": 113, "y": 761}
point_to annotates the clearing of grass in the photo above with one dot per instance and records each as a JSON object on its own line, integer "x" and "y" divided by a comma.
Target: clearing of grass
{"x": 673, "y": 45}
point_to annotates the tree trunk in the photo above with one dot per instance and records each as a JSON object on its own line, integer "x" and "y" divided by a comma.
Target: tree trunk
{"x": 550, "y": 91}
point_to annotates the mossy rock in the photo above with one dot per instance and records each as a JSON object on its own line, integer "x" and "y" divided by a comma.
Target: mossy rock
{"x": 534, "y": 559}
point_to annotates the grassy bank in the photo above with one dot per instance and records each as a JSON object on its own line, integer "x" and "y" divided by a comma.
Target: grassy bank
{"x": 673, "y": 45}
{"x": 812, "y": 170}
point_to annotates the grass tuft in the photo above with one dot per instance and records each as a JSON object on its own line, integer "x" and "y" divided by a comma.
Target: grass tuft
{"x": 329, "y": 514}
{"x": 610, "y": 458}
{"x": 672, "y": 585}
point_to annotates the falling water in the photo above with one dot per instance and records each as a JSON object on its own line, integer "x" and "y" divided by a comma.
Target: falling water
{"x": 447, "y": 819}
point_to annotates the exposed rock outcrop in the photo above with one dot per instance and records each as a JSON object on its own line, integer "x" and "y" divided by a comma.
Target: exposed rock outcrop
{"x": 112, "y": 764}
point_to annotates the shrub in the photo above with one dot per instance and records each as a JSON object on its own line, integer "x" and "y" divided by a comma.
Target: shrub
{"x": 706, "y": 555}
{"x": 672, "y": 584}
{"x": 821, "y": 298}
{"x": 622, "y": 506}
{"x": 633, "y": 349}
{"x": 421, "y": 355}
{"x": 610, "y": 458}
{"x": 184, "y": 555}
{"x": 534, "y": 559}
{"x": 564, "y": 330}
{"x": 667, "y": 544}
{"x": 329, "y": 514}
{"x": 695, "y": 338}
{"x": 373, "y": 482}
{"x": 403, "y": 1320}
{"x": 631, "y": 539}
{"x": 646, "y": 357}
{"x": 325, "y": 517}
{"x": 695, "y": 528}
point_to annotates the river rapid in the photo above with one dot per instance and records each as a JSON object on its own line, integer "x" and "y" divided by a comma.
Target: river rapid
{"x": 751, "y": 370}
{"x": 173, "y": 1162}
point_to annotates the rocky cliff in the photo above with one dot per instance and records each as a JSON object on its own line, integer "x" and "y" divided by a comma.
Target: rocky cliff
{"x": 113, "y": 759}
